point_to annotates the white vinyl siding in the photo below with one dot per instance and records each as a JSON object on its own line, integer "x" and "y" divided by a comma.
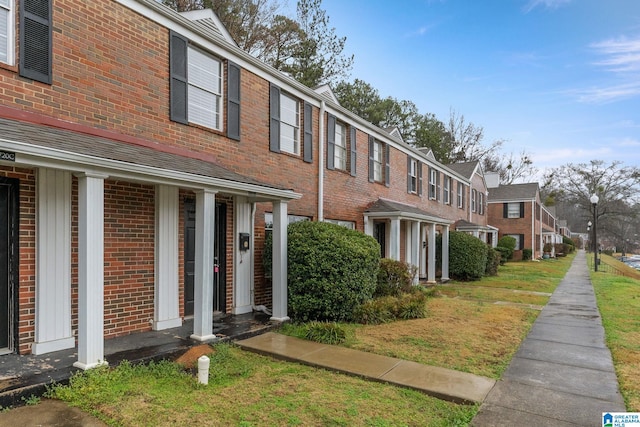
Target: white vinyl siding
{"x": 6, "y": 31}
{"x": 289, "y": 124}
{"x": 205, "y": 89}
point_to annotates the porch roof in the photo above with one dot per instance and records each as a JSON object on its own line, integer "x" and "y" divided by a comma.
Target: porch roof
{"x": 45, "y": 145}
{"x": 465, "y": 225}
{"x": 383, "y": 208}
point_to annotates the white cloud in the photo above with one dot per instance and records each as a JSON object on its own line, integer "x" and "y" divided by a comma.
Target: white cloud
{"x": 548, "y": 4}
{"x": 606, "y": 94}
{"x": 621, "y": 55}
{"x": 629, "y": 142}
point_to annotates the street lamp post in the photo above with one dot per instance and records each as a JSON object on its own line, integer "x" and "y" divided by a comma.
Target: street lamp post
{"x": 589, "y": 224}
{"x": 594, "y": 201}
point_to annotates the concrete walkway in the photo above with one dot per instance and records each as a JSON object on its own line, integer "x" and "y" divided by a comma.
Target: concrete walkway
{"x": 443, "y": 383}
{"x": 562, "y": 374}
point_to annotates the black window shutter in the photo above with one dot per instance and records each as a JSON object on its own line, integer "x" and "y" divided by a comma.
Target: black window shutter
{"x": 387, "y": 165}
{"x": 521, "y": 242}
{"x": 233, "y": 101}
{"x": 178, "y": 77}
{"x": 35, "y": 40}
{"x": 331, "y": 141}
{"x": 505, "y": 210}
{"x": 354, "y": 152}
{"x": 419, "y": 179}
{"x": 371, "y": 159}
{"x": 308, "y": 132}
{"x": 438, "y": 187}
{"x": 521, "y": 209}
{"x": 409, "y": 174}
{"x": 274, "y": 123}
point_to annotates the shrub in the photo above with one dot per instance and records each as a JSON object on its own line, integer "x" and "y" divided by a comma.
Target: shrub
{"x": 411, "y": 305}
{"x": 509, "y": 243}
{"x": 467, "y": 255}
{"x": 526, "y": 254}
{"x": 505, "y": 254}
{"x": 394, "y": 278}
{"x": 331, "y": 270}
{"x": 570, "y": 245}
{"x": 324, "y": 332}
{"x": 493, "y": 260}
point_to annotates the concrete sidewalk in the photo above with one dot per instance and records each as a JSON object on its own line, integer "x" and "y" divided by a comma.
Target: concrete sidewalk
{"x": 562, "y": 374}
{"x": 443, "y": 383}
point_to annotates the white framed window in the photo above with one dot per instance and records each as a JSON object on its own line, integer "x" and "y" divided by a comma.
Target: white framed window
{"x": 433, "y": 183}
{"x": 413, "y": 176}
{"x": 480, "y": 203}
{"x": 447, "y": 190}
{"x": 474, "y": 194}
{"x": 340, "y": 151}
{"x": 513, "y": 210}
{"x": 289, "y": 124}
{"x": 351, "y": 225}
{"x": 377, "y": 161}
{"x": 205, "y": 89}
{"x": 461, "y": 195}
{"x": 7, "y": 45}
{"x": 268, "y": 220}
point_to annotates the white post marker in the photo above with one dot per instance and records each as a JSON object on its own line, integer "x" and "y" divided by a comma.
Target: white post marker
{"x": 203, "y": 370}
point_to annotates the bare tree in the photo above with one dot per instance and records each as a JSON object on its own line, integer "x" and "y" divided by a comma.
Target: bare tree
{"x": 512, "y": 167}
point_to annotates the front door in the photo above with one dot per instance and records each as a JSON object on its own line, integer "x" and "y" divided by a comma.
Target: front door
{"x": 380, "y": 234}
{"x": 219, "y": 250}
{"x": 8, "y": 257}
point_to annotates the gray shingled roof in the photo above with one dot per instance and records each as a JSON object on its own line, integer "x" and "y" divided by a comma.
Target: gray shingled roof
{"x": 465, "y": 169}
{"x": 526, "y": 191}
{"x": 98, "y": 147}
{"x": 390, "y": 208}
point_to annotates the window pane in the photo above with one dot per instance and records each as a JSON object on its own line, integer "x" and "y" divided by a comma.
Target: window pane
{"x": 204, "y": 71}
{"x": 288, "y": 138}
{"x": 288, "y": 110}
{"x": 203, "y": 107}
{"x": 4, "y": 31}
{"x": 513, "y": 210}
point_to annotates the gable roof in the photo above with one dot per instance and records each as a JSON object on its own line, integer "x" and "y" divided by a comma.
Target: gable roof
{"x": 527, "y": 191}
{"x": 466, "y": 169}
{"x": 210, "y": 21}
{"x": 325, "y": 90}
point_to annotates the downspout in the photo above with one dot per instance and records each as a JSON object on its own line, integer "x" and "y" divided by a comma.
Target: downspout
{"x": 321, "y": 163}
{"x": 533, "y": 230}
{"x": 469, "y": 203}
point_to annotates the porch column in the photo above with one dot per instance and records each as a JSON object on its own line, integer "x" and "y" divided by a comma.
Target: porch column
{"x": 279, "y": 276}
{"x": 423, "y": 251}
{"x": 408, "y": 244}
{"x": 368, "y": 226}
{"x": 166, "y": 289}
{"x": 431, "y": 263}
{"x": 394, "y": 239}
{"x": 445, "y": 253}
{"x": 203, "y": 277}
{"x": 90, "y": 271}
{"x": 53, "y": 262}
{"x": 243, "y": 260}
{"x": 415, "y": 248}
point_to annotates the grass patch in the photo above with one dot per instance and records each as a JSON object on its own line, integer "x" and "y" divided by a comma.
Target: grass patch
{"x": 619, "y": 304}
{"x": 247, "y": 389}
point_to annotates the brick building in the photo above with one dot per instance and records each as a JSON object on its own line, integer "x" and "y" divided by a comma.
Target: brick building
{"x": 143, "y": 156}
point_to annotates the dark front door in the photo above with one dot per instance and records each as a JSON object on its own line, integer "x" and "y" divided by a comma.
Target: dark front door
{"x": 380, "y": 234}
{"x": 219, "y": 268}
{"x": 8, "y": 257}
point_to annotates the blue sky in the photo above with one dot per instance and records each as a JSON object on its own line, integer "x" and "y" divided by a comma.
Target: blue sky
{"x": 557, "y": 78}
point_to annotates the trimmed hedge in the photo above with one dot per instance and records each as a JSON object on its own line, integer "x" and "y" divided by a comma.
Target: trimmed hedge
{"x": 394, "y": 278}
{"x": 494, "y": 259}
{"x": 467, "y": 256}
{"x": 331, "y": 270}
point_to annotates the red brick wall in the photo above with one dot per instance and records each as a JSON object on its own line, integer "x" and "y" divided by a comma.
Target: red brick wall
{"x": 514, "y": 225}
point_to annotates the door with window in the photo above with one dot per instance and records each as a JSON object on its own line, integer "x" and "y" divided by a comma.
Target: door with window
{"x": 219, "y": 253}
{"x": 8, "y": 260}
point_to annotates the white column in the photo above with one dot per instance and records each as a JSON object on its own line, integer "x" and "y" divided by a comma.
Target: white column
{"x": 242, "y": 259}
{"x": 53, "y": 262}
{"x": 394, "y": 239}
{"x": 415, "y": 248}
{"x": 166, "y": 289}
{"x": 203, "y": 277}
{"x": 445, "y": 253}
{"x": 408, "y": 244}
{"x": 368, "y": 226}
{"x": 423, "y": 251}
{"x": 431, "y": 262}
{"x": 90, "y": 271}
{"x": 279, "y": 277}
